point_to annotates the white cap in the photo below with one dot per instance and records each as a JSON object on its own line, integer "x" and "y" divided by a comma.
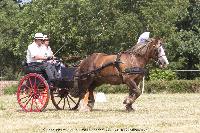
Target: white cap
{"x": 38, "y": 36}
{"x": 143, "y": 37}
{"x": 45, "y": 37}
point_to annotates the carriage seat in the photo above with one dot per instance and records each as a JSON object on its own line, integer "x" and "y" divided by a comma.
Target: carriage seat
{"x": 36, "y": 67}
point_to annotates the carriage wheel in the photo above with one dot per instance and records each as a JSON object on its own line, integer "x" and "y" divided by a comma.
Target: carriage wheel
{"x": 33, "y": 93}
{"x": 61, "y": 99}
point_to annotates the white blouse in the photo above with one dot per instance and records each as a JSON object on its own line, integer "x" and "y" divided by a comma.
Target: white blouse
{"x": 47, "y": 51}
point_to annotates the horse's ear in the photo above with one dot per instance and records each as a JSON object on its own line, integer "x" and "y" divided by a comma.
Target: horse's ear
{"x": 157, "y": 38}
{"x": 154, "y": 41}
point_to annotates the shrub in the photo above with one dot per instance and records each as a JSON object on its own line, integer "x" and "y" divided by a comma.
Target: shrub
{"x": 112, "y": 89}
{"x": 159, "y": 86}
{"x": 9, "y": 74}
{"x": 174, "y": 86}
{"x": 10, "y": 90}
{"x": 158, "y": 74}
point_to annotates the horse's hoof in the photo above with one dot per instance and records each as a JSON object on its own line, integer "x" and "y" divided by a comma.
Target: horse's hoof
{"x": 129, "y": 108}
{"x": 90, "y": 105}
{"x": 128, "y": 101}
{"x": 85, "y": 109}
{"x": 124, "y": 102}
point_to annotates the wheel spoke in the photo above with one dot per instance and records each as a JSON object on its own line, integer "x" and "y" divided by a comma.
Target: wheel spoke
{"x": 39, "y": 82}
{"x": 30, "y": 82}
{"x": 43, "y": 93}
{"x": 68, "y": 102}
{"x": 40, "y": 100}
{"x": 27, "y": 86}
{"x": 35, "y": 83}
{"x": 64, "y": 104}
{"x": 32, "y": 104}
{"x": 36, "y": 105}
{"x": 59, "y": 101}
{"x": 77, "y": 104}
{"x": 71, "y": 98}
{"x": 27, "y": 102}
{"x": 23, "y": 97}
{"x": 27, "y": 99}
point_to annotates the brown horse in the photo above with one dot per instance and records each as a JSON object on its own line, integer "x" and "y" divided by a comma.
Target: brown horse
{"x": 124, "y": 68}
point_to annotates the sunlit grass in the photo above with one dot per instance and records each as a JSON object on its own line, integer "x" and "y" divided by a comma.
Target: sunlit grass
{"x": 154, "y": 113}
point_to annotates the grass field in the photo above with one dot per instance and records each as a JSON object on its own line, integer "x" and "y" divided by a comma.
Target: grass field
{"x": 154, "y": 113}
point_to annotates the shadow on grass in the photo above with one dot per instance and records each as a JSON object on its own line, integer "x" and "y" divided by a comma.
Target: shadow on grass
{"x": 112, "y": 110}
{"x": 94, "y": 110}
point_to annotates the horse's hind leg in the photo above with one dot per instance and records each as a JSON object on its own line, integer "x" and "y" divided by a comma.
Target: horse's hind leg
{"x": 134, "y": 93}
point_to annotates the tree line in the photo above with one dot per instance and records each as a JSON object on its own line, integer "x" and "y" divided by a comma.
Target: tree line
{"x": 109, "y": 26}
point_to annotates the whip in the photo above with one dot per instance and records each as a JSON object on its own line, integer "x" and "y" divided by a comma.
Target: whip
{"x": 59, "y": 49}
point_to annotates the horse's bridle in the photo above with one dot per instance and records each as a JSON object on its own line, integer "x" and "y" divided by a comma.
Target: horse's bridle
{"x": 158, "y": 57}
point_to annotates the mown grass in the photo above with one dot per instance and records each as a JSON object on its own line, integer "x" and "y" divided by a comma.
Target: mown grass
{"x": 154, "y": 113}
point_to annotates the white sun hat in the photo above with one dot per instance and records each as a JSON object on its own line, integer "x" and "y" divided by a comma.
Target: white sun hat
{"x": 45, "y": 37}
{"x": 143, "y": 37}
{"x": 38, "y": 36}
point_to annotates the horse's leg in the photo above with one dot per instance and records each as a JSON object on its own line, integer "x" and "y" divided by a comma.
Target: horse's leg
{"x": 84, "y": 102}
{"x": 88, "y": 99}
{"x": 134, "y": 93}
{"x": 91, "y": 99}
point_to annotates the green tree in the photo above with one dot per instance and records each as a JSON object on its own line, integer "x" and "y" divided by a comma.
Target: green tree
{"x": 110, "y": 26}
{"x": 8, "y": 36}
{"x": 187, "y": 47}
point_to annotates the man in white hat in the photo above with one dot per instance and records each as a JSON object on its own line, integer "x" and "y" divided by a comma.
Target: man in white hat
{"x": 36, "y": 54}
{"x": 143, "y": 38}
{"x": 35, "y": 51}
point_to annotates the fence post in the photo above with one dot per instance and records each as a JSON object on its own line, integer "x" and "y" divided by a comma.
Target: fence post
{"x": 143, "y": 84}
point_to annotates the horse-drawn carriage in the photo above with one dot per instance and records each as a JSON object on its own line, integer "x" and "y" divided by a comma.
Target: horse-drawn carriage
{"x": 126, "y": 67}
{"x": 35, "y": 90}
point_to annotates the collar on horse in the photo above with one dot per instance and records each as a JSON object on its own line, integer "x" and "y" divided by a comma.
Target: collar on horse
{"x": 130, "y": 70}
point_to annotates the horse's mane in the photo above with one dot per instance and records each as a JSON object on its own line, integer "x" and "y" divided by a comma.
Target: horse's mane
{"x": 139, "y": 49}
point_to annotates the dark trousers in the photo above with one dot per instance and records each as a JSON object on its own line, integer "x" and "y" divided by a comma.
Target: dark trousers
{"x": 49, "y": 70}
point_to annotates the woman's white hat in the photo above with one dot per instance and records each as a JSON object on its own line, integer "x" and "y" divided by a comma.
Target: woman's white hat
{"x": 45, "y": 37}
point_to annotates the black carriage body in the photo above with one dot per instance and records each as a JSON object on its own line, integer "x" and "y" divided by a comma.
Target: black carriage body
{"x": 35, "y": 89}
{"x": 64, "y": 78}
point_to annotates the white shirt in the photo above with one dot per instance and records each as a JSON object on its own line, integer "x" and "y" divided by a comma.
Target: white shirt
{"x": 47, "y": 51}
{"x": 34, "y": 50}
